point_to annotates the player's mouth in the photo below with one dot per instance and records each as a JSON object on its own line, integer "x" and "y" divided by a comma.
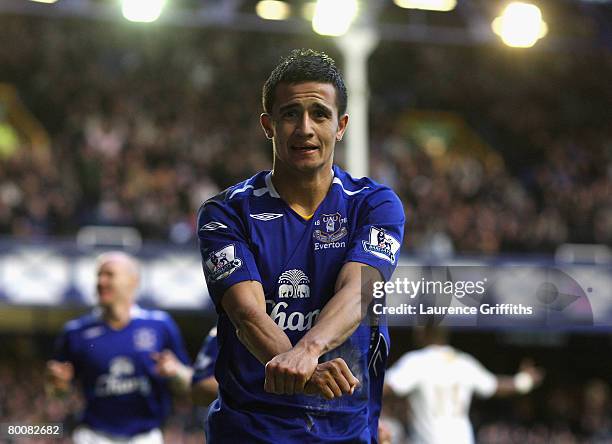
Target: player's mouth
{"x": 103, "y": 290}
{"x": 305, "y": 148}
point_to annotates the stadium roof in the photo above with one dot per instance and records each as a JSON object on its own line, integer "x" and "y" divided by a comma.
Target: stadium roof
{"x": 572, "y": 23}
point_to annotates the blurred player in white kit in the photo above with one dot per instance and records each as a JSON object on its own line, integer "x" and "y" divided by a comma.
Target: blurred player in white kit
{"x": 439, "y": 382}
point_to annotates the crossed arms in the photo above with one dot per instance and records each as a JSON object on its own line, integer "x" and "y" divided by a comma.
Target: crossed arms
{"x": 295, "y": 369}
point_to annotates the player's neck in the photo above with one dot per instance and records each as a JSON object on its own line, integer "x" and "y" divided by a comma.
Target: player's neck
{"x": 116, "y": 316}
{"x": 302, "y": 192}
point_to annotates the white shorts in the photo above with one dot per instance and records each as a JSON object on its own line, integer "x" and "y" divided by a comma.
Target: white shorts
{"x": 85, "y": 435}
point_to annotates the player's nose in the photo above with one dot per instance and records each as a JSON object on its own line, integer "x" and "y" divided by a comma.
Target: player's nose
{"x": 305, "y": 126}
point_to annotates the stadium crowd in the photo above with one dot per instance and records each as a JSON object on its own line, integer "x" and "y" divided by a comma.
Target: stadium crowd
{"x": 143, "y": 128}
{"x": 541, "y": 113}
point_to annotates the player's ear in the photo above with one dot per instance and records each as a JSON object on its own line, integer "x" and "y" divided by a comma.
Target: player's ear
{"x": 266, "y": 124}
{"x": 342, "y": 123}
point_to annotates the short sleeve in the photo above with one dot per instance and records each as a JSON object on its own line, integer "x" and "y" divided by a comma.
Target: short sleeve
{"x": 404, "y": 375}
{"x": 204, "y": 366}
{"x": 226, "y": 256}
{"x": 175, "y": 341}
{"x": 484, "y": 383}
{"x": 379, "y": 233}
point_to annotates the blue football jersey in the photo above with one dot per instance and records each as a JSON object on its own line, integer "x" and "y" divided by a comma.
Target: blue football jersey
{"x": 249, "y": 233}
{"x": 204, "y": 366}
{"x": 124, "y": 395}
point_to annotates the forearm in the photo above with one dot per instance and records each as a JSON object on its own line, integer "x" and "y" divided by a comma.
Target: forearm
{"x": 57, "y": 391}
{"x": 181, "y": 381}
{"x": 245, "y": 305}
{"x": 336, "y": 322}
{"x": 519, "y": 384}
{"x": 345, "y": 310}
{"x": 261, "y": 336}
{"x": 58, "y": 378}
{"x": 205, "y": 391}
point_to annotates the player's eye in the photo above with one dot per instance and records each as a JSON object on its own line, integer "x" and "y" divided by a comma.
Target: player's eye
{"x": 320, "y": 114}
{"x": 290, "y": 114}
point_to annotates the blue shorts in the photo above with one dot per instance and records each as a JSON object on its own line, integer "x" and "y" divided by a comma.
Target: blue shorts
{"x": 226, "y": 425}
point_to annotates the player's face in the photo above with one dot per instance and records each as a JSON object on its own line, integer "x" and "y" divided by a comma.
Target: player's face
{"x": 116, "y": 283}
{"x": 304, "y": 125}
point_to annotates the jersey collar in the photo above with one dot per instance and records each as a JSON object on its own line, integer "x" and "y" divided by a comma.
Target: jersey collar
{"x": 272, "y": 190}
{"x": 135, "y": 312}
{"x": 270, "y": 186}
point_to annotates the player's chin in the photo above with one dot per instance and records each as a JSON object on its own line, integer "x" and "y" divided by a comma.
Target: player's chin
{"x": 308, "y": 165}
{"x": 105, "y": 298}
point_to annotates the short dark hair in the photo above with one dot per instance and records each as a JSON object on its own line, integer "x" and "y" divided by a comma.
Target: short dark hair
{"x": 305, "y": 65}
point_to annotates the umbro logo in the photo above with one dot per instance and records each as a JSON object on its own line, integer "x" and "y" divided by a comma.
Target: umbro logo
{"x": 212, "y": 226}
{"x": 266, "y": 216}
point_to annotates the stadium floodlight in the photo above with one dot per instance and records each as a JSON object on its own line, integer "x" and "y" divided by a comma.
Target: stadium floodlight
{"x": 308, "y": 10}
{"x": 273, "y": 10}
{"x": 428, "y": 5}
{"x": 334, "y": 17}
{"x": 520, "y": 25}
{"x": 145, "y": 11}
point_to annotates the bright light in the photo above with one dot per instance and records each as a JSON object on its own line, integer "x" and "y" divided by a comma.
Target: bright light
{"x": 44, "y": 1}
{"x": 520, "y": 25}
{"x": 145, "y": 11}
{"x": 273, "y": 10}
{"x": 308, "y": 10}
{"x": 334, "y": 17}
{"x": 428, "y": 5}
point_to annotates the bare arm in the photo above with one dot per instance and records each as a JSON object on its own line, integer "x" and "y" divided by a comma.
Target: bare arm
{"x": 205, "y": 391}
{"x": 245, "y": 304}
{"x": 345, "y": 310}
{"x": 58, "y": 378}
{"x": 528, "y": 378}
{"x": 169, "y": 366}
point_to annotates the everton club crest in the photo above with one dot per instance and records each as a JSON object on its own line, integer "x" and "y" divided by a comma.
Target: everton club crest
{"x": 332, "y": 228}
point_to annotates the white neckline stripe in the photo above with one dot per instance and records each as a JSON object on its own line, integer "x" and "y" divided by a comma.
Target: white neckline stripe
{"x": 348, "y": 192}
{"x": 240, "y": 190}
{"x": 136, "y": 312}
{"x": 260, "y": 191}
{"x": 270, "y": 186}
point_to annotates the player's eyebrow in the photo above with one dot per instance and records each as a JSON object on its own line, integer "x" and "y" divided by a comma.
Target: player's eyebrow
{"x": 287, "y": 107}
{"x": 321, "y": 107}
{"x": 317, "y": 105}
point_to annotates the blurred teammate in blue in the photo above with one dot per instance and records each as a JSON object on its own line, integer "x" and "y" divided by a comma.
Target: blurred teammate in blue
{"x": 290, "y": 256}
{"x": 204, "y": 386}
{"x": 127, "y": 360}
